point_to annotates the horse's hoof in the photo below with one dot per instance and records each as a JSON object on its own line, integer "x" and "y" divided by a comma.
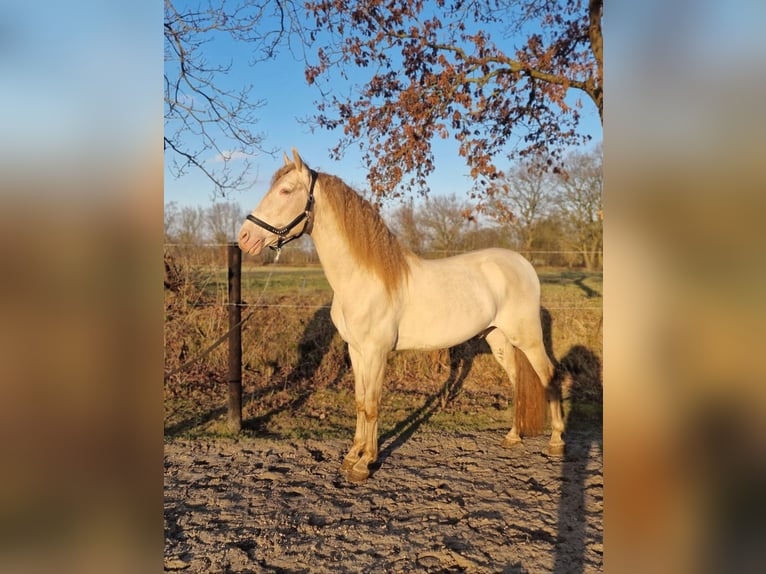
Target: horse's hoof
{"x": 357, "y": 476}
{"x": 556, "y": 449}
{"x": 358, "y": 472}
{"x": 511, "y": 442}
{"x": 346, "y": 466}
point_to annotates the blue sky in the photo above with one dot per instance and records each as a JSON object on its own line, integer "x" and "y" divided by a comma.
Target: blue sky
{"x": 281, "y": 83}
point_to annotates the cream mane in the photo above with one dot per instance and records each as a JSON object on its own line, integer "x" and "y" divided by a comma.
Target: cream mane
{"x": 372, "y": 244}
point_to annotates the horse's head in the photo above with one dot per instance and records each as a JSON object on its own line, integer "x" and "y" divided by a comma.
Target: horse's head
{"x": 286, "y": 211}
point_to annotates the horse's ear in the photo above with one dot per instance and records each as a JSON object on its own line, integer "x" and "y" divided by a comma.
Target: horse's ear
{"x": 287, "y": 159}
{"x": 297, "y": 159}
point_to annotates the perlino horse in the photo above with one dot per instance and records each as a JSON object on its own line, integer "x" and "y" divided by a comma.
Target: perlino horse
{"x": 385, "y": 298}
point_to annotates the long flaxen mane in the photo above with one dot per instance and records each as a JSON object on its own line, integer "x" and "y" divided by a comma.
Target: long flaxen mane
{"x": 371, "y": 242}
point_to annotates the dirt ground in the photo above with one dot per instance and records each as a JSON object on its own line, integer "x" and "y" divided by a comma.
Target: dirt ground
{"x": 435, "y": 502}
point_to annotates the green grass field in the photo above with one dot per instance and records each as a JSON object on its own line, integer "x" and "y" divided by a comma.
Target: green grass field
{"x": 284, "y": 281}
{"x": 287, "y": 280}
{"x": 576, "y": 288}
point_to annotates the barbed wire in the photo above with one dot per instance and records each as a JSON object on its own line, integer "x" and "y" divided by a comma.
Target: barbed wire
{"x": 272, "y": 268}
{"x": 425, "y": 252}
{"x": 256, "y": 306}
{"x": 327, "y": 306}
{"x": 225, "y": 336}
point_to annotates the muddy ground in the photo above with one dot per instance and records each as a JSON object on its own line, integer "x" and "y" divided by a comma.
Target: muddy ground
{"x": 436, "y": 502}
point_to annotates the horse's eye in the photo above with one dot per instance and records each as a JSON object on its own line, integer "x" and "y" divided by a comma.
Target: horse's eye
{"x": 285, "y": 191}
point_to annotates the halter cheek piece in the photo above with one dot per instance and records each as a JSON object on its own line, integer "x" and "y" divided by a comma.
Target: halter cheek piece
{"x": 282, "y": 232}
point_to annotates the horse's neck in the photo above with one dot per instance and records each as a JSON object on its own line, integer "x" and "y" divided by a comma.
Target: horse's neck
{"x": 333, "y": 250}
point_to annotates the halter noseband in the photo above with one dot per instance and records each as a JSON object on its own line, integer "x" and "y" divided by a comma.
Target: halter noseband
{"x": 283, "y": 231}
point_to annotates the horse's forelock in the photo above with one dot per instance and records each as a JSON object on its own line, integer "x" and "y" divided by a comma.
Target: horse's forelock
{"x": 282, "y": 171}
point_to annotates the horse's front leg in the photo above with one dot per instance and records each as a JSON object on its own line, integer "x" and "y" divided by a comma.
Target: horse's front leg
{"x": 368, "y": 381}
{"x": 355, "y": 453}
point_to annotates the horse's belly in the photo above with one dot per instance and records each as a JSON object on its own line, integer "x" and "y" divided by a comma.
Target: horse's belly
{"x": 446, "y": 304}
{"x": 440, "y": 328}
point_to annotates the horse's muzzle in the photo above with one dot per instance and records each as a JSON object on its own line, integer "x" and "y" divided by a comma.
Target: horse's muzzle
{"x": 249, "y": 243}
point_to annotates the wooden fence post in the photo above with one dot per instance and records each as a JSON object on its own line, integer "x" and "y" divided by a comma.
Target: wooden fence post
{"x": 235, "y": 338}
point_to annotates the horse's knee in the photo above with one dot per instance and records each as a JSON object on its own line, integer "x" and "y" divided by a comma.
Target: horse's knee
{"x": 371, "y": 408}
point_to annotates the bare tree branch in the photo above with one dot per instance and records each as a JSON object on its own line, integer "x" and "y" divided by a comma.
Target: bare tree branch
{"x": 208, "y": 126}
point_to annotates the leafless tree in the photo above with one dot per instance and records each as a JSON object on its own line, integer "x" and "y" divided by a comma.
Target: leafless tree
{"x": 208, "y": 125}
{"x": 223, "y": 220}
{"x": 445, "y": 222}
{"x": 522, "y": 199}
{"x": 171, "y": 215}
{"x": 579, "y": 198}
{"x": 405, "y": 222}
{"x": 190, "y": 226}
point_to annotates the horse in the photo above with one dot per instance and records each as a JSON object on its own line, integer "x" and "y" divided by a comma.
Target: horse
{"x": 386, "y": 298}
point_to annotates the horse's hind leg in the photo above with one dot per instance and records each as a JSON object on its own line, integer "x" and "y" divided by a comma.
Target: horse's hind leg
{"x": 542, "y": 365}
{"x": 504, "y": 353}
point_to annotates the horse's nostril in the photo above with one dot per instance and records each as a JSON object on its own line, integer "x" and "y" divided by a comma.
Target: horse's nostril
{"x": 243, "y": 235}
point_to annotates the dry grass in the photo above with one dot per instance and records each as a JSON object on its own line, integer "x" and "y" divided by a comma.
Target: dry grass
{"x": 296, "y": 373}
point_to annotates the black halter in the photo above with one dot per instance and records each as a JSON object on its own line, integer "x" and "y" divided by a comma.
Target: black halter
{"x": 283, "y": 231}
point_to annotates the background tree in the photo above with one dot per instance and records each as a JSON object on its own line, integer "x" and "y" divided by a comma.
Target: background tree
{"x": 434, "y": 71}
{"x": 171, "y": 215}
{"x": 549, "y": 247}
{"x": 223, "y": 220}
{"x": 579, "y": 198}
{"x": 444, "y": 222}
{"x": 522, "y": 199}
{"x": 438, "y": 224}
{"x": 487, "y": 235}
{"x": 191, "y": 226}
{"x": 204, "y": 119}
{"x": 405, "y": 222}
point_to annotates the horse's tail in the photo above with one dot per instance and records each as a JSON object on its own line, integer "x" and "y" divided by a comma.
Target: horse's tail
{"x": 530, "y": 400}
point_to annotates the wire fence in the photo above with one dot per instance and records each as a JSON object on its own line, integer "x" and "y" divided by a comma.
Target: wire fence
{"x": 204, "y": 263}
{"x": 206, "y": 282}
{"x": 208, "y": 273}
{"x": 549, "y": 306}
{"x": 302, "y": 253}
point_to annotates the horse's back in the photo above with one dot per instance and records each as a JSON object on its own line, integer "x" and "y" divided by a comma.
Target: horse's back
{"x": 448, "y": 301}
{"x": 509, "y": 270}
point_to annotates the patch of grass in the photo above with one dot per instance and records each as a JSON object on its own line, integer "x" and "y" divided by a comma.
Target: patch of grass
{"x": 593, "y": 280}
{"x": 584, "y": 412}
{"x": 284, "y": 281}
{"x": 330, "y": 414}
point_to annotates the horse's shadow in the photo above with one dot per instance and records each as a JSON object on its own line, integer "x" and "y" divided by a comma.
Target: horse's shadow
{"x": 584, "y": 434}
{"x": 573, "y": 278}
{"x": 314, "y": 345}
{"x": 461, "y": 358}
